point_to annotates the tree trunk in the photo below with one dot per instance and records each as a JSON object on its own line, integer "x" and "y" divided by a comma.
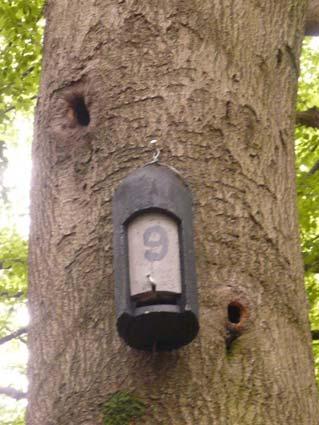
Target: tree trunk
{"x": 215, "y": 83}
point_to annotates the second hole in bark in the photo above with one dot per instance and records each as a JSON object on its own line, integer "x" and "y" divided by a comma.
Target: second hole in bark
{"x": 234, "y": 312}
{"x": 237, "y": 313}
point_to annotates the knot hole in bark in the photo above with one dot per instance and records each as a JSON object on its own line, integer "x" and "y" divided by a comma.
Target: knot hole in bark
{"x": 78, "y": 112}
{"x": 237, "y": 314}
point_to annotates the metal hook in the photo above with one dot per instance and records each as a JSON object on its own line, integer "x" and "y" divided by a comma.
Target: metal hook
{"x": 157, "y": 153}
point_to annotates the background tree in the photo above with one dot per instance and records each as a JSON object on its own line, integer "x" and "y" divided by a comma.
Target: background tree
{"x": 216, "y": 83}
{"x": 20, "y": 57}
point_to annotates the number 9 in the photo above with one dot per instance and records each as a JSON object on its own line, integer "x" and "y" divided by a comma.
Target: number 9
{"x": 160, "y": 240}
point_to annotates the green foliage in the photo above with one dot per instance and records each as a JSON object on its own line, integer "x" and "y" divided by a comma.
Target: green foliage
{"x": 13, "y": 265}
{"x": 12, "y": 415}
{"x": 312, "y": 285}
{"x": 307, "y": 155}
{"x": 20, "y": 55}
{"x": 313, "y": 298}
{"x": 308, "y": 95}
{"x": 121, "y": 408}
{"x": 308, "y": 197}
{"x": 13, "y": 287}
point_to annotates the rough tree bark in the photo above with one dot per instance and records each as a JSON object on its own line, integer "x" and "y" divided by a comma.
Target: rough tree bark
{"x": 215, "y": 82}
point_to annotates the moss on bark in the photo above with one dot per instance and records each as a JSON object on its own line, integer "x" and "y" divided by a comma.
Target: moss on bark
{"x": 121, "y": 408}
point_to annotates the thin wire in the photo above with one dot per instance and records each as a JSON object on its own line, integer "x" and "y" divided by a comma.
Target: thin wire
{"x": 156, "y": 154}
{"x": 156, "y": 157}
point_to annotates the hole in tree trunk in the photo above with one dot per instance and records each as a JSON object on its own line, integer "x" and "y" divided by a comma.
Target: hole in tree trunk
{"x": 79, "y": 112}
{"x": 234, "y": 313}
{"x": 237, "y": 314}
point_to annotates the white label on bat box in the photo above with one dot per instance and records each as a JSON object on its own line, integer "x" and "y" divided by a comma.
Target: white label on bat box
{"x": 154, "y": 254}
